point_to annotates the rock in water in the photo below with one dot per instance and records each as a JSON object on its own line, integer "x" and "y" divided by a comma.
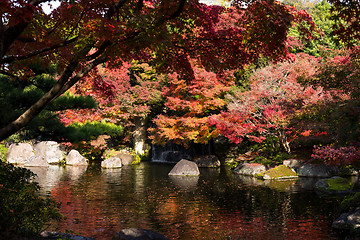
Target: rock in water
{"x": 126, "y": 159}
{"x": 113, "y": 162}
{"x": 185, "y": 168}
{"x": 139, "y": 234}
{"x": 250, "y": 169}
{"x": 210, "y": 161}
{"x": 37, "y": 161}
{"x": 76, "y": 159}
{"x": 348, "y": 221}
{"x": 20, "y": 153}
{"x": 318, "y": 170}
{"x": 50, "y": 150}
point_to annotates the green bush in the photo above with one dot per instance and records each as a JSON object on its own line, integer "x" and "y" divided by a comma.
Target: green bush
{"x": 3, "y": 152}
{"x": 271, "y": 152}
{"x": 23, "y": 211}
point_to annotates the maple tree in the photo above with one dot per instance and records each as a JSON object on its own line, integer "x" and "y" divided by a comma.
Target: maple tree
{"x": 346, "y": 15}
{"x": 324, "y": 42}
{"x": 125, "y": 96}
{"x": 188, "y": 106}
{"x": 274, "y": 99}
{"x": 195, "y": 95}
{"x": 80, "y": 35}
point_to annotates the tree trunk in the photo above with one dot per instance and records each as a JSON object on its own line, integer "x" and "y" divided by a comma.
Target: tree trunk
{"x": 285, "y": 143}
{"x": 140, "y": 136}
{"x": 64, "y": 83}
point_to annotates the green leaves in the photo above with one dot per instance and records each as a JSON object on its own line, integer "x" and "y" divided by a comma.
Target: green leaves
{"x": 23, "y": 211}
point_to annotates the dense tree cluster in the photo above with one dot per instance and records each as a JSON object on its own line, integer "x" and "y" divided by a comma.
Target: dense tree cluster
{"x": 187, "y": 71}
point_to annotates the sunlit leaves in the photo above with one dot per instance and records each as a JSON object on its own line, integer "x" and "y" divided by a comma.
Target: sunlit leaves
{"x": 189, "y": 105}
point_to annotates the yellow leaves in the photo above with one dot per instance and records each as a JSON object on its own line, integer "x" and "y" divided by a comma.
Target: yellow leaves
{"x": 182, "y": 130}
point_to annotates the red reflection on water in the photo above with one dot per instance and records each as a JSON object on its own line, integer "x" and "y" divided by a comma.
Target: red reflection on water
{"x": 91, "y": 211}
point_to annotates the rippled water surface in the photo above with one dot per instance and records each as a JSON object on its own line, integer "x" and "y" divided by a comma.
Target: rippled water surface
{"x": 216, "y": 205}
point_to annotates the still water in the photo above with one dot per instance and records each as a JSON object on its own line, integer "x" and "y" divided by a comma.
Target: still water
{"x": 216, "y": 205}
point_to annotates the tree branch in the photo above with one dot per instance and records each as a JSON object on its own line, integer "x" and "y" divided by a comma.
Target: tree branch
{"x": 81, "y": 74}
{"x": 38, "y": 52}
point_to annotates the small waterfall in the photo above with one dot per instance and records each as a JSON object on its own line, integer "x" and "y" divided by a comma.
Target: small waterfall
{"x": 173, "y": 153}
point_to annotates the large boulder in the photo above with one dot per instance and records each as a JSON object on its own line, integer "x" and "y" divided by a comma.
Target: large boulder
{"x": 37, "y": 161}
{"x": 74, "y": 158}
{"x": 318, "y": 170}
{"x": 333, "y": 186}
{"x": 348, "y": 221}
{"x": 250, "y": 169}
{"x": 185, "y": 168}
{"x": 138, "y": 234}
{"x": 20, "y": 153}
{"x": 126, "y": 158}
{"x": 210, "y": 161}
{"x": 279, "y": 172}
{"x": 113, "y": 162}
{"x": 50, "y": 150}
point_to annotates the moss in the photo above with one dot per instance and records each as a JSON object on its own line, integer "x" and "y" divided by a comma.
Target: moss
{"x": 339, "y": 184}
{"x": 112, "y": 153}
{"x": 350, "y": 203}
{"x": 279, "y": 172}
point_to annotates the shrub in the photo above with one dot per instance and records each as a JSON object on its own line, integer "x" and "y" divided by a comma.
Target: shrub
{"x": 3, "y": 152}
{"x": 23, "y": 211}
{"x": 336, "y": 155}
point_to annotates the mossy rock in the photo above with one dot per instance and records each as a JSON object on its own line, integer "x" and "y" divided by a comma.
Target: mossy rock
{"x": 350, "y": 203}
{"x": 279, "y": 172}
{"x": 334, "y": 185}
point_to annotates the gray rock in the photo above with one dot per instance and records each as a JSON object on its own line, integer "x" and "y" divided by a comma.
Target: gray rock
{"x": 20, "y": 153}
{"x": 47, "y": 235}
{"x": 76, "y": 159}
{"x": 126, "y": 159}
{"x": 210, "y": 161}
{"x": 138, "y": 234}
{"x": 36, "y": 161}
{"x": 113, "y": 162}
{"x": 185, "y": 167}
{"x": 293, "y": 163}
{"x": 348, "y": 221}
{"x": 250, "y": 169}
{"x": 317, "y": 170}
{"x": 50, "y": 150}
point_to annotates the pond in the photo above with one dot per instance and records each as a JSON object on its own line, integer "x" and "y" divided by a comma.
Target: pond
{"x": 216, "y": 205}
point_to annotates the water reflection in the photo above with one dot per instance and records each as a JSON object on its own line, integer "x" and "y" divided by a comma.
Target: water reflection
{"x": 216, "y": 205}
{"x": 185, "y": 182}
{"x": 75, "y": 172}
